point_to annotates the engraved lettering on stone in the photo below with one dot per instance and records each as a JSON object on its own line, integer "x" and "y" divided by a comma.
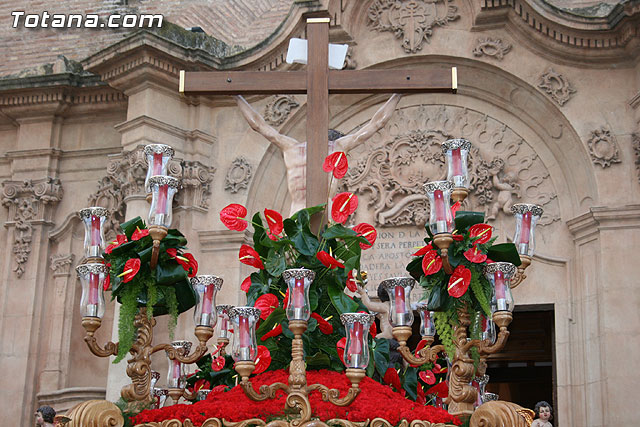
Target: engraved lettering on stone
{"x": 412, "y": 21}
{"x": 635, "y": 142}
{"x": 603, "y": 147}
{"x": 238, "y": 175}
{"x": 495, "y": 48}
{"x": 556, "y": 86}
{"x": 28, "y": 201}
{"x": 389, "y": 171}
{"x": 279, "y": 108}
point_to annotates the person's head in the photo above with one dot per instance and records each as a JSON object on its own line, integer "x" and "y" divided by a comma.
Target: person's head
{"x": 383, "y": 294}
{"x": 543, "y": 410}
{"x": 44, "y": 414}
{"x": 335, "y": 134}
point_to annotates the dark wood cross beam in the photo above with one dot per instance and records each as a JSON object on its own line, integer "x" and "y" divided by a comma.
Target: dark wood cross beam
{"x": 318, "y": 82}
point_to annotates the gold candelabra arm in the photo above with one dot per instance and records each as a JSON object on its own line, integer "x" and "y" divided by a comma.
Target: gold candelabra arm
{"x": 333, "y": 395}
{"x": 502, "y": 319}
{"x": 427, "y": 354}
{"x": 222, "y": 345}
{"x": 443, "y": 241}
{"x": 244, "y": 369}
{"x": 458, "y": 194}
{"x": 91, "y": 325}
{"x": 203, "y": 333}
{"x": 525, "y": 261}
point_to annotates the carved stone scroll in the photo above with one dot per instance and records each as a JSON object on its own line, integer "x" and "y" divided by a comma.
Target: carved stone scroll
{"x": 411, "y": 21}
{"x": 238, "y": 176}
{"x": 61, "y": 264}
{"x": 635, "y": 142}
{"x": 556, "y": 86}
{"x": 196, "y": 184}
{"x": 603, "y": 147}
{"x": 278, "y": 109}
{"x": 388, "y": 171}
{"x": 28, "y": 201}
{"x": 494, "y": 48}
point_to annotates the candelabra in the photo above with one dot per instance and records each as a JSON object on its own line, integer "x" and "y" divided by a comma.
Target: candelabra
{"x": 501, "y": 275}
{"x": 356, "y": 356}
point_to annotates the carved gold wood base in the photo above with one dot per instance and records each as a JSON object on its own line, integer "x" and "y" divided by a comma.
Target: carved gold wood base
{"x": 216, "y": 422}
{"x": 95, "y": 413}
{"x": 500, "y": 413}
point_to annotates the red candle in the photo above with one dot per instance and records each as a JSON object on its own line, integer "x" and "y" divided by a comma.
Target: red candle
{"x": 162, "y": 199}
{"x": 355, "y": 346}
{"x": 401, "y": 308}
{"x": 526, "y": 228}
{"x": 245, "y": 338}
{"x": 207, "y": 299}
{"x": 224, "y": 324}
{"x": 157, "y": 164}
{"x": 441, "y": 214}
{"x": 298, "y": 293}
{"x": 483, "y": 322}
{"x": 456, "y": 162}
{"x": 500, "y": 286}
{"x": 94, "y": 283}
{"x": 95, "y": 230}
{"x": 176, "y": 371}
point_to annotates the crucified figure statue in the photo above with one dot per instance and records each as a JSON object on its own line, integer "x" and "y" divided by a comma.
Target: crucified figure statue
{"x": 295, "y": 152}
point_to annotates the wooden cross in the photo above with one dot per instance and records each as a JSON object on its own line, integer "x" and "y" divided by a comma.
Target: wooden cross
{"x": 317, "y": 82}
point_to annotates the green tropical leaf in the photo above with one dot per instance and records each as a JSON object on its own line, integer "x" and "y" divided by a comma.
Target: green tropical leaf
{"x": 304, "y": 241}
{"x": 340, "y": 300}
{"x": 505, "y": 252}
{"x": 268, "y": 324}
{"x": 275, "y": 263}
{"x": 415, "y": 268}
{"x": 308, "y": 211}
{"x": 435, "y": 298}
{"x": 381, "y": 355}
{"x": 130, "y": 226}
{"x": 318, "y": 361}
{"x": 465, "y": 219}
{"x": 338, "y": 231}
{"x": 170, "y": 272}
{"x": 410, "y": 382}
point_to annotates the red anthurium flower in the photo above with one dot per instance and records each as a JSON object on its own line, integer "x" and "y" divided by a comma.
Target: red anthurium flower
{"x": 131, "y": 268}
{"x": 272, "y": 333}
{"x": 489, "y": 261}
{"x": 391, "y": 377}
{"x": 372, "y": 330}
{"x": 368, "y": 232}
{"x": 423, "y": 250}
{"x": 217, "y": 364}
{"x": 328, "y": 261}
{"x": 191, "y": 266}
{"x": 441, "y": 389}
{"x": 246, "y": 284}
{"x": 422, "y": 344}
{"x": 201, "y": 384}
{"x": 267, "y": 303}
{"x": 285, "y": 302}
{"x": 475, "y": 255}
{"x": 218, "y": 389}
{"x": 454, "y": 208}
{"x": 437, "y": 369}
{"x": 336, "y": 162}
{"x": 324, "y": 326}
{"x": 233, "y": 217}
{"x": 263, "y": 360}
{"x": 457, "y": 237}
{"x": 274, "y": 221}
{"x": 107, "y": 279}
{"x": 120, "y": 239}
{"x": 344, "y": 204}
{"x": 459, "y": 281}
{"x": 428, "y": 377}
{"x": 340, "y": 346}
{"x": 249, "y": 256}
{"x": 139, "y": 234}
{"x": 421, "y": 399}
{"x": 431, "y": 263}
{"x": 482, "y": 233}
{"x": 352, "y": 282}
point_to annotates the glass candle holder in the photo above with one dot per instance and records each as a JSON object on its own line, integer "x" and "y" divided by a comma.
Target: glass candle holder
{"x": 206, "y": 286}
{"x": 160, "y": 396}
{"x": 158, "y": 156}
{"x": 92, "y": 278}
{"x": 177, "y": 376}
{"x": 440, "y": 218}
{"x": 223, "y": 318}
{"x": 480, "y": 383}
{"x": 202, "y": 394}
{"x": 163, "y": 188}
{"x": 399, "y": 290}
{"x": 298, "y": 281}
{"x": 244, "y": 321}
{"x": 427, "y": 327}
{"x": 155, "y": 377}
{"x": 456, "y": 152}
{"x": 527, "y": 216}
{"x": 93, "y": 219}
{"x": 356, "y": 351}
{"x": 499, "y": 275}
{"x": 487, "y": 328}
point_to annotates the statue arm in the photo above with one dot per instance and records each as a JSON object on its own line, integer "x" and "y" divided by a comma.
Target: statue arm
{"x": 379, "y": 307}
{"x": 377, "y": 122}
{"x": 258, "y": 124}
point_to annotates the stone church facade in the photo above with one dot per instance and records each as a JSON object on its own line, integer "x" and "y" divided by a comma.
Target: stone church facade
{"x": 549, "y": 94}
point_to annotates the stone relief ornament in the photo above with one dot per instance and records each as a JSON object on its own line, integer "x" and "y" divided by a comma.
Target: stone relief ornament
{"x": 603, "y": 147}
{"x": 556, "y": 86}
{"x": 635, "y": 142}
{"x": 238, "y": 175}
{"x": 278, "y": 109}
{"x": 28, "y": 201}
{"x": 411, "y": 20}
{"x": 349, "y": 62}
{"x": 61, "y": 264}
{"x": 495, "y": 48}
{"x": 196, "y": 183}
{"x": 388, "y": 172}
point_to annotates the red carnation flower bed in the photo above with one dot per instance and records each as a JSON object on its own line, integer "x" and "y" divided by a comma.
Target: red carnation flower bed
{"x": 375, "y": 400}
